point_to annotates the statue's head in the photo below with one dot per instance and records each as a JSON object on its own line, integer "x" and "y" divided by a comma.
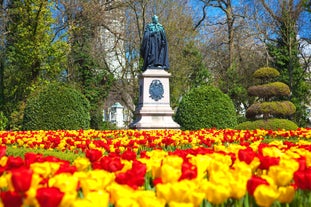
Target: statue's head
{"x": 155, "y": 19}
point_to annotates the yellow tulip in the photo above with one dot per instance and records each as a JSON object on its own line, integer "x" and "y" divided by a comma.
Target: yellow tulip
{"x": 31, "y": 200}
{"x": 265, "y": 195}
{"x": 169, "y": 173}
{"x": 238, "y": 183}
{"x": 153, "y": 165}
{"x": 148, "y": 199}
{"x": 3, "y": 182}
{"x": 3, "y": 161}
{"x": 127, "y": 202}
{"x": 68, "y": 199}
{"x": 65, "y": 182}
{"x": 171, "y": 169}
{"x": 219, "y": 163}
{"x": 82, "y": 163}
{"x": 215, "y": 193}
{"x": 185, "y": 191}
{"x": 286, "y": 194}
{"x": 176, "y": 204}
{"x": 98, "y": 198}
{"x": 118, "y": 191}
{"x": 281, "y": 176}
{"x": 127, "y": 165}
{"x": 82, "y": 203}
{"x": 94, "y": 180}
{"x": 45, "y": 169}
{"x": 202, "y": 162}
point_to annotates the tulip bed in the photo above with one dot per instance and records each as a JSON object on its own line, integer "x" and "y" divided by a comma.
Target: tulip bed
{"x": 167, "y": 168}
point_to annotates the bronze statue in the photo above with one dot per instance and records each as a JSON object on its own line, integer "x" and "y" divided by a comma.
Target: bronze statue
{"x": 154, "y": 49}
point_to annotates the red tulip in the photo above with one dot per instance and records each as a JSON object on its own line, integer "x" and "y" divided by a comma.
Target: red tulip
{"x": 266, "y": 161}
{"x": 128, "y": 155}
{"x": 49, "y": 197}
{"x": 2, "y": 151}
{"x": 66, "y": 168}
{"x": 254, "y": 182}
{"x": 111, "y": 164}
{"x": 93, "y": 154}
{"x": 21, "y": 179}
{"x": 11, "y": 199}
{"x": 134, "y": 177}
{"x": 189, "y": 171}
{"x": 14, "y": 162}
{"x": 302, "y": 179}
{"x": 246, "y": 155}
{"x": 31, "y": 157}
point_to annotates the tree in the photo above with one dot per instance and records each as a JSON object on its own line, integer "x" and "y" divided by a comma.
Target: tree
{"x": 87, "y": 68}
{"x": 285, "y": 52}
{"x": 3, "y": 22}
{"x": 33, "y": 53}
{"x": 230, "y": 46}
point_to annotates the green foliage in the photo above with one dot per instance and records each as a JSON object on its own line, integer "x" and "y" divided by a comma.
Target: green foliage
{"x": 199, "y": 74}
{"x": 106, "y": 125}
{"x": 90, "y": 74}
{"x": 188, "y": 70}
{"x": 275, "y": 108}
{"x": 285, "y": 53}
{"x": 64, "y": 155}
{"x": 273, "y": 124}
{"x": 3, "y": 121}
{"x": 32, "y": 52}
{"x": 233, "y": 84}
{"x": 266, "y": 73}
{"x": 17, "y": 116}
{"x": 56, "y": 106}
{"x": 206, "y": 107}
{"x": 269, "y": 90}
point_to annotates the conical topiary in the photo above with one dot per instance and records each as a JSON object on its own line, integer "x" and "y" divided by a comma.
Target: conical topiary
{"x": 269, "y": 106}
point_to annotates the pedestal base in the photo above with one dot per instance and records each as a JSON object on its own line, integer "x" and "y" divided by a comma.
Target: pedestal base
{"x": 153, "y": 110}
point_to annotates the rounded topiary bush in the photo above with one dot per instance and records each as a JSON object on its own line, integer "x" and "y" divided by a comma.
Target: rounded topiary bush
{"x": 273, "y": 124}
{"x": 276, "y": 108}
{"x": 269, "y": 90}
{"x": 57, "y": 106}
{"x": 206, "y": 107}
{"x": 266, "y": 73}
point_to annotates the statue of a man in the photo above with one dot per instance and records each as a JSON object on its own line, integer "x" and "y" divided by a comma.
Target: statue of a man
{"x": 154, "y": 48}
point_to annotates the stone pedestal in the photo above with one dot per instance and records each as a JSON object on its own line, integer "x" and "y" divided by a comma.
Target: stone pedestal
{"x": 154, "y": 110}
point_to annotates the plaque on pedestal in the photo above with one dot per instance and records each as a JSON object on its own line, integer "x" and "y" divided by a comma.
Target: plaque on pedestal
{"x": 154, "y": 110}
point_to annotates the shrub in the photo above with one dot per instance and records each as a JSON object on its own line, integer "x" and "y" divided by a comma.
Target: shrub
{"x": 206, "y": 107}
{"x": 269, "y": 90}
{"x": 3, "y": 121}
{"x": 273, "y": 124}
{"x": 275, "y": 108}
{"x": 265, "y": 73}
{"x": 56, "y": 106}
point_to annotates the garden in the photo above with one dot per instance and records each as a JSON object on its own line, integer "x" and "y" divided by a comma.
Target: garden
{"x": 203, "y": 168}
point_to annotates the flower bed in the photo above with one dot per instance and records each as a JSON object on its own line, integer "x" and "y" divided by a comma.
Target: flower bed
{"x": 158, "y": 168}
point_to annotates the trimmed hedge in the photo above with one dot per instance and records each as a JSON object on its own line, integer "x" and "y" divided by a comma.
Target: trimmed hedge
{"x": 57, "y": 106}
{"x": 273, "y": 124}
{"x": 277, "y": 108}
{"x": 206, "y": 107}
{"x": 266, "y": 73}
{"x": 269, "y": 90}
